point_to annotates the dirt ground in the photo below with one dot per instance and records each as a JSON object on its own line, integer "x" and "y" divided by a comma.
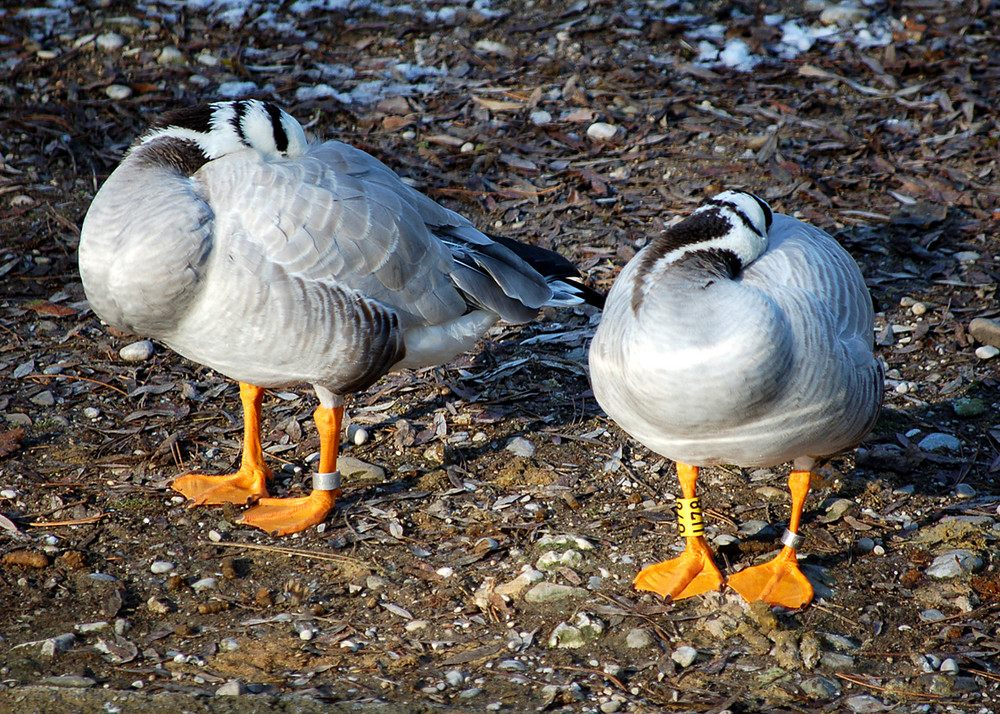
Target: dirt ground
{"x": 417, "y": 593}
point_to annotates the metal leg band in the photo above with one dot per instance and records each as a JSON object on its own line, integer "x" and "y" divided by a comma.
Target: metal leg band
{"x": 690, "y": 520}
{"x": 327, "y": 481}
{"x": 792, "y": 540}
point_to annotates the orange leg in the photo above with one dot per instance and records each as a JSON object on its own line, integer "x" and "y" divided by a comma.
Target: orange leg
{"x": 694, "y": 572}
{"x": 249, "y": 483}
{"x": 780, "y": 581}
{"x": 282, "y": 516}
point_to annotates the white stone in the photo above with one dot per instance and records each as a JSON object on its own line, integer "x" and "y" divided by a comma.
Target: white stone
{"x": 118, "y": 92}
{"x": 954, "y": 563}
{"x": 987, "y": 352}
{"x": 685, "y": 655}
{"x": 110, "y": 41}
{"x": 455, "y": 677}
{"x": 8, "y": 493}
{"x": 232, "y": 688}
{"x": 170, "y": 55}
{"x": 357, "y": 435}
{"x": 540, "y": 117}
{"x": 91, "y": 412}
{"x": 159, "y": 567}
{"x": 949, "y": 666}
{"x": 602, "y": 131}
{"x": 204, "y": 584}
{"x": 966, "y": 256}
{"x": 414, "y": 625}
{"x": 639, "y": 638}
{"x": 137, "y": 351}
{"x": 519, "y": 446}
{"x": 844, "y": 15}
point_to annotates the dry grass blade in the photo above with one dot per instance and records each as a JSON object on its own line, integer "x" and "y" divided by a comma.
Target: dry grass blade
{"x": 298, "y": 553}
{"x": 874, "y": 687}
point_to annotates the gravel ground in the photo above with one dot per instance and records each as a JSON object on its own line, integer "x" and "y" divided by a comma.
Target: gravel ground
{"x": 482, "y": 555}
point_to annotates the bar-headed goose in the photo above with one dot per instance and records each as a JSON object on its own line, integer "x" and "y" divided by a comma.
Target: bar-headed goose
{"x": 742, "y": 337}
{"x": 228, "y": 236}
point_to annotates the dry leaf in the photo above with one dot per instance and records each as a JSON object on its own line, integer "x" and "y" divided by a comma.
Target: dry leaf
{"x": 44, "y": 307}
{"x": 10, "y": 441}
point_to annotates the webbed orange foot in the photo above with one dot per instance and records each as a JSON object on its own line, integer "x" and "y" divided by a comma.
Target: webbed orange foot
{"x": 245, "y": 486}
{"x": 778, "y": 582}
{"x": 693, "y": 573}
{"x": 281, "y": 516}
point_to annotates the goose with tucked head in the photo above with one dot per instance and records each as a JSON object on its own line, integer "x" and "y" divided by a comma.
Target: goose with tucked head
{"x": 738, "y": 336}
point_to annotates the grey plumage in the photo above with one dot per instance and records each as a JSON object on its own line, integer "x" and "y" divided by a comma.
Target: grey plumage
{"x": 768, "y": 364}
{"x": 275, "y": 261}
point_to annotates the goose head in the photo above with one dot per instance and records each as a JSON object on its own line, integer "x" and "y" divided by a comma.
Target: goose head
{"x": 220, "y": 128}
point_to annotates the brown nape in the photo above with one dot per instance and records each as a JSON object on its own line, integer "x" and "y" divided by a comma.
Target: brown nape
{"x": 197, "y": 117}
{"x": 172, "y": 152}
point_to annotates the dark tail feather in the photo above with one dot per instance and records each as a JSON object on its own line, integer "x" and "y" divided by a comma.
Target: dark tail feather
{"x": 560, "y": 275}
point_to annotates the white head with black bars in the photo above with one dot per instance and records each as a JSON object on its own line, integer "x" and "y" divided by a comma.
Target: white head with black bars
{"x": 222, "y": 128}
{"x": 733, "y": 224}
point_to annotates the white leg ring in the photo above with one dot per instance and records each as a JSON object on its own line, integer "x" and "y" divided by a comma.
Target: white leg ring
{"x": 326, "y": 482}
{"x": 792, "y": 540}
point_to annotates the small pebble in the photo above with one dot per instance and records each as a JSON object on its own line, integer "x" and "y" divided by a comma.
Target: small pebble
{"x": 949, "y": 666}
{"x": 844, "y": 15}
{"x": 159, "y": 567}
{"x": 937, "y": 441}
{"x": 964, "y": 490}
{"x": 357, "y": 435}
{"x": 170, "y": 55}
{"x": 987, "y": 352}
{"x": 968, "y": 407}
{"x": 932, "y": 615}
{"x": 91, "y": 412}
{"x": 519, "y": 446}
{"x": 306, "y": 634}
{"x": 468, "y": 147}
{"x": 966, "y": 256}
{"x": 986, "y": 331}
{"x": 684, "y": 655}
{"x": 8, "y": 493}
{"x": 954, "y": 563}
{"x": 610, "y": 706}
{"x": 204, "y": 584}
{"x": 455, "y": 677}
{"x": 865, "y": 545}
{"x": 110, "y": 41}
{"x": 137, "y": 351}
{"x": 43, "y": 399}
{"x": 414, "y": 625}
{"x": 215, "y": 536}
{"x": 639, "y": 638}
{"x": 602, "y": 131}
{"x": 232, "y": 688}
{"x": 540, "y": 117}
{"x": 118, "y": 91}
{"x": 918, "y": 309}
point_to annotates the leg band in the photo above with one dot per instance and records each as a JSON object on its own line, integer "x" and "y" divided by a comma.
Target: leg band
{"x": 792, "y": 540}
{"x": 327, "y": 481}
{"x": 690, "y": 521}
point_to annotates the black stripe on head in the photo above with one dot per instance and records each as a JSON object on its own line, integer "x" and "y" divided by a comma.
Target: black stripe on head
{"x": 196, "y": 118}
{"x": 240, "y": 109}
{"x": 280, "y": 137}
{"x": 768, "y": 215}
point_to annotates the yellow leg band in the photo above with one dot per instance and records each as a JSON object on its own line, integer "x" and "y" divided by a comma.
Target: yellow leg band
{"x": 690, "y": 521}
